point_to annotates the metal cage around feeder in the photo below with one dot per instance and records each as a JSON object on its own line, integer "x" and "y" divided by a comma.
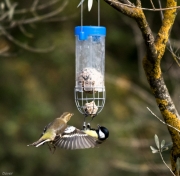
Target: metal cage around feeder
{"x": 90, "y": 104}
{"x": 90, "y": 67}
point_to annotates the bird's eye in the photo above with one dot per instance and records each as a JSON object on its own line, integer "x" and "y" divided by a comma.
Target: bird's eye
{"x": 45, "y": 128}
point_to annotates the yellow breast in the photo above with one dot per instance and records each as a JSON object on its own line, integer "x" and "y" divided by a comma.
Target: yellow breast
{"x": 91, "y": 133}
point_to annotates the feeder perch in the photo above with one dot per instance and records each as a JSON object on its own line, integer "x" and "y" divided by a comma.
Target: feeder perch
{"x": 90, "y": 66}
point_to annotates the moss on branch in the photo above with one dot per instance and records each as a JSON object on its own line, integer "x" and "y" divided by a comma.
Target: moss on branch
{"x": 151, "y": 63}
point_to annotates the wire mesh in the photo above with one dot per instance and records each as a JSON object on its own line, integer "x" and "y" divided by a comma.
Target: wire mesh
{"x": 90, "y": 103}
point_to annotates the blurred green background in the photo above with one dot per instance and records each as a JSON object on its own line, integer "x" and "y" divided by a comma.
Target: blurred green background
{"x": 35, "y": 88}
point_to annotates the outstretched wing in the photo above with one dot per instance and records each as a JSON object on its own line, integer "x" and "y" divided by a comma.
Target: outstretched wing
{"x": 73, "y": 138}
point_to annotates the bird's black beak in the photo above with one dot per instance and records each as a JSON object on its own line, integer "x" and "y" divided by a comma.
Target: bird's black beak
{"x": 98, "y": 126}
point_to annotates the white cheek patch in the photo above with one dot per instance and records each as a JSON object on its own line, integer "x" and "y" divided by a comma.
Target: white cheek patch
{"x": 101, "y": 134}
{"x": 69, "y": 129}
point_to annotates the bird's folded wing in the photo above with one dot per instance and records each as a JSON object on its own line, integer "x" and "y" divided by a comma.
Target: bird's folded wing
{"x": 73, "y": 138}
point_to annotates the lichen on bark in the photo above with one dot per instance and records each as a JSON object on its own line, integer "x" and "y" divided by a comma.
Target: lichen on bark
{"x": 151, "y": 63}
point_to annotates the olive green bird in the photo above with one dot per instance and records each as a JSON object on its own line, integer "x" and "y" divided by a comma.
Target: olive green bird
{"x": 54, "y": 128}
{"x": 59, "y": 134}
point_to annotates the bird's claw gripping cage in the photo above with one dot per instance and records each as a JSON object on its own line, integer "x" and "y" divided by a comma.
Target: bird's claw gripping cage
{"x": 90, "y": 65}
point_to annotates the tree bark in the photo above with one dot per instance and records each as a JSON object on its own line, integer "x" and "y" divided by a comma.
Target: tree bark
{"x": 151, "y": 64}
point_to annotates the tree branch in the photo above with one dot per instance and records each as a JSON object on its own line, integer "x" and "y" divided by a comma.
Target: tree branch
{"x": 126, "y": 9}
{"x": 10, "y": 18}
{"x": 151, "y": 63}
{"x": 24, "y": 46}
{"x": 157, "y": 84}
{"x": 123, "y": 3}
{"x": 42, "y": 17}
{"x": 40, "y": 7}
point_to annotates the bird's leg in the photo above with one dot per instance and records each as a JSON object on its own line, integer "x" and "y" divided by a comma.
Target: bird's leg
{"x": 51, "y": 147}
{"x": 84, "y": 125}
{"x": 94, "y": 115}
{"x": 89, "y": 126}
{"x": 54, "y": 149}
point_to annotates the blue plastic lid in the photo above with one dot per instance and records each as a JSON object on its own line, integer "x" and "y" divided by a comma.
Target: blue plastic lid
{"x": 84, "y": 31}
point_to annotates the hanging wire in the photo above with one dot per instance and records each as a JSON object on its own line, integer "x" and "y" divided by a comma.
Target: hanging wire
{"x": 98, "y": 12}
{"x": 81, "y": 16}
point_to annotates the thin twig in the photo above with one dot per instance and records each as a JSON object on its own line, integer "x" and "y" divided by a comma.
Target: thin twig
{"x": 175, "y": 57}
{"x": 162, "y": 15}
{"x": 152, "y": 4}
{"x": 9, "y": 13}
{"x": 162, "y": 120}
{"x": 176, "y": 50}
{"x": 8, "y": 4}
{"x": 43, "y": 17}
{"x": 169, "y": 41}
{"x": 23, "y": 30}
{"x": 24, "y": 46}
{"x": 162, "y": 9}
{"x": 61, "y": 18}
{"x": 35, "y": 3}
{"x": 40, "y": 7}
{"x": 30, "y": 10}
{"x": 4, "y": 15}
{"x": 137, "y": 168}
{"x": 166, "y": 164}
{"x": 126, "y": 2}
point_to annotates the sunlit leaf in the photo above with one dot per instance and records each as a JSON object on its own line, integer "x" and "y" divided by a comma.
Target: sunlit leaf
{"x": 162, "y": 143}
{"x": 154, "y": 150}
{"x": 164, "y": 149}
{"x": 156, "y": 140}
{"x": 167, "y": 146}
{"x": 90, "y": 3}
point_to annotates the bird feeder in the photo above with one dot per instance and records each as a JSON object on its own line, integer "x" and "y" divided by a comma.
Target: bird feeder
{"x": 90, "y": 67}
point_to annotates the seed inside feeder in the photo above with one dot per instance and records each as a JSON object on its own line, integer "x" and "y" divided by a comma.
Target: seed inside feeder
{"x": 90, "y": 108}
{"x": 91, "y": 80}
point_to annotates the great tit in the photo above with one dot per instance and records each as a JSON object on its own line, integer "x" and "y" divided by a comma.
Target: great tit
{"x": 57, "y": 133}
{"x": 101, "y": 133}
{"x": 73, "y": 138}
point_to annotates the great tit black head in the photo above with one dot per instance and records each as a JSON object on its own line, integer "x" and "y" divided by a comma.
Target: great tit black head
{"x": 102, "y": 132}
